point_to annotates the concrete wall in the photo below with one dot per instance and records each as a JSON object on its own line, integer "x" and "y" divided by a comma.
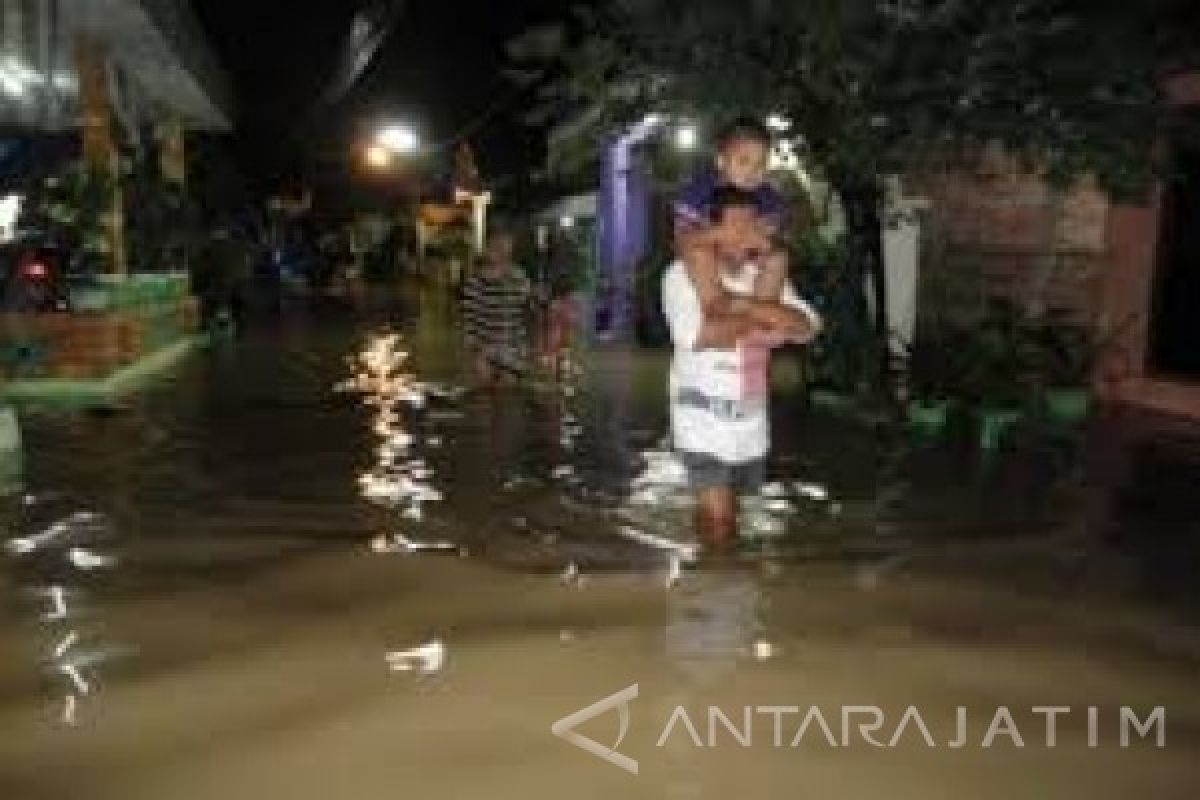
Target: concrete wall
{"x": 1072, "y": 249}
{"x": 1044, "y": 248}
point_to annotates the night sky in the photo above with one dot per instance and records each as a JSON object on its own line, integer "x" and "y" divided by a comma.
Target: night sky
{"x": 440, "y": 69}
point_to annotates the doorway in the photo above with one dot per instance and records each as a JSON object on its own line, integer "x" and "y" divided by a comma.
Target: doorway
{"x": 1175, "y": 322}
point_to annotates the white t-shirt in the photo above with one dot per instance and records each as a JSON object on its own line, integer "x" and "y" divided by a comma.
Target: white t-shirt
{"x": 718, "y": 397}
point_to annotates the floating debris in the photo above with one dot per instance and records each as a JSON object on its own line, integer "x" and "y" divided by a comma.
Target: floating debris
{"x": 424, "y": 660}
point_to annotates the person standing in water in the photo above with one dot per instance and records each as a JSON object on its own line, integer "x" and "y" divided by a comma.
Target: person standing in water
{"x": 495, "y": 315}
{"x": 719, "y": 384}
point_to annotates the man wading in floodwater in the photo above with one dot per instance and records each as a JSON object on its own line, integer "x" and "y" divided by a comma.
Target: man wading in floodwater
{"x": 719, "y": 373}
{"x": 495, "y": 310}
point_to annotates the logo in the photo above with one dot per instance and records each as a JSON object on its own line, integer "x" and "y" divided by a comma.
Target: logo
{"x": 565, "y": 728}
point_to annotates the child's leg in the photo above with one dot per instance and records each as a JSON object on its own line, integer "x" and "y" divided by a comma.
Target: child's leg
{"x": 772, "y": 277}
{"x": 716, "y": 516}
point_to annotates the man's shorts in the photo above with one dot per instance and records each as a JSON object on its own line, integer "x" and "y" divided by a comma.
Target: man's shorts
{"x": 705, "y": 471}
{"x": 507, "y": 359}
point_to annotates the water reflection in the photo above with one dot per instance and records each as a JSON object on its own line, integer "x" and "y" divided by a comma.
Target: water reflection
{"x": 400, "y": 480}
{"x": 55, "y": 559}
{"x": 425, "y": 659}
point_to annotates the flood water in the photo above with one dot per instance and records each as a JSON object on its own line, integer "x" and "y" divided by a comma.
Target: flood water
{"x": 310, "y": 565}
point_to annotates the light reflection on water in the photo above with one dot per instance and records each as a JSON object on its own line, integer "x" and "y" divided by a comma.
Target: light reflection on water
{"x": 56, "y": 557}
{"x": 401, "y": 479}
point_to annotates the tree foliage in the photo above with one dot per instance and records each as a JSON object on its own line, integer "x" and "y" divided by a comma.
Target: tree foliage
{"x": 873, "y": 86}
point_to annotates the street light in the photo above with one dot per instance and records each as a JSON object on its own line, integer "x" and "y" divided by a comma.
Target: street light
{"x": 378, "y": 157}
{"x": 398, "y": 139}
{"x": 686, "y": 138}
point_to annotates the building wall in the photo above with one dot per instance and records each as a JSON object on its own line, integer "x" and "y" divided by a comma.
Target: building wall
{"x": 1073, "y": 249}
{"x": 1041, "y": 247}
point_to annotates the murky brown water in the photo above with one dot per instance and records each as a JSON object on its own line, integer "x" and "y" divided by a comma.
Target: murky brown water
{"x": 240, "y": 600}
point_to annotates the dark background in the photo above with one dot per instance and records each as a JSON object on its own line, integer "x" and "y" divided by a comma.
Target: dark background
{"x": 440, "y": 70}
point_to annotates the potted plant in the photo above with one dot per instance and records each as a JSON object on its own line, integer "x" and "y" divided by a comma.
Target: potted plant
{"x": 1000, "y": 356}
{"x": 934, "y": 372}
{"x": 1068, "y": 356}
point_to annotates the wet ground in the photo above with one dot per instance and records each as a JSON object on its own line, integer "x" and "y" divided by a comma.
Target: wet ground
{"x": 309, "y": 566}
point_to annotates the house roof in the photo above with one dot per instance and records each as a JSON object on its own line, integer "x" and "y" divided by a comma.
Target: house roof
{"x": 160, "y": 46}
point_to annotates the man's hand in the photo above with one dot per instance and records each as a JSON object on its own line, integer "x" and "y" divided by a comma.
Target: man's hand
{"x": 722, "y": 330}
{"x": 790, "y": 323}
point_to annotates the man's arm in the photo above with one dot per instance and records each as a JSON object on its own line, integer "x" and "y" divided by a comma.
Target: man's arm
{"x": 723, "y": 330}
{"x": 782, "y": 320}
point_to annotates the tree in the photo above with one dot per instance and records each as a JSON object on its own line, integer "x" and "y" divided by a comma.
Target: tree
{"x": 872, "y": 87}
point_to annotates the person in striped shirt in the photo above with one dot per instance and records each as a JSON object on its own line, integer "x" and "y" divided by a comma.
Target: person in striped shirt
{"x": 495, "y": 313}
